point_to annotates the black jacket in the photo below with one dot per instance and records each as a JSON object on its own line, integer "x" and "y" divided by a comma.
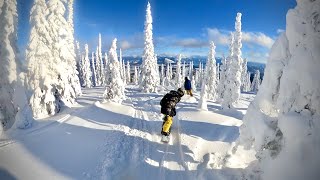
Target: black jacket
{"x": 168, "y": 103}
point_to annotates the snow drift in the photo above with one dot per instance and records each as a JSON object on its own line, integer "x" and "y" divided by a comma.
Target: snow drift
{"x": 282, "y": 124}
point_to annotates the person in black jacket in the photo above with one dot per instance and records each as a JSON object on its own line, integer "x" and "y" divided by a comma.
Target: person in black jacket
{"x": 168, "y": 108}
{"x": 187, "y": 86}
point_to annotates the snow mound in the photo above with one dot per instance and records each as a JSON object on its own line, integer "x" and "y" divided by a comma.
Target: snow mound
{"x": 282, "y": 123}
{"x": 189, "y": 99}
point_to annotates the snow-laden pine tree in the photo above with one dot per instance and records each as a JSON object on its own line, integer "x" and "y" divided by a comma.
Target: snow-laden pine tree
{"x": 14, "y": 108}
{"x": 128, "y": 75}
{"x": 86, "y": 69}
{"x": 98, "y": 67}
{"x": 247, "y": 86}
{"x": 163, "y": 78}
{"x": 190, "y": 71}
{"x": 149, "y": 79}
{"x": 73, "y": 78}
{"x": 120, "y": 63}
{"x": 256, "y": 81}
{"x": 232, "y": 91}
{"x": 193, "y": 84}
{"x": 244, "y": 75}
{"x": 211, "y": 74}
{"x": 218, "y": 73}
{"x": 167, "y": 78}
{"x": 93, "y": 70}
{"x": 135, "y": 76}
{"x": 223, "y": 77}
{"x": 203, "y": 97}
{"x": 79, "y": 62}
{"x": 200, "y": 77}
{"x": 40, "y": 76}
{"x": 62, "y": 62}
{"x": 115, "y": 90}
{"x": 282, "y": 124}
{"x": 178, "y": 77}
{"x": 124, "y": 72}
{"x": 101, "y": 69}
{"x": 184, "y": 70}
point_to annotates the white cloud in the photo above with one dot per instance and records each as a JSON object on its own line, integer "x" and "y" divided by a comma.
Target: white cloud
{"x": 218, "y": 36}
{"x": 125, "y": 45}
{"x": 280, "y": 31}
{"x": 191, "y": 42}
{"x": 257, "y": 38}
{"x": 222, "y": 37}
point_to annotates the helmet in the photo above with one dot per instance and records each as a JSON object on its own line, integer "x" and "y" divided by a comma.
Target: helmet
{"x": 180, "y": 92}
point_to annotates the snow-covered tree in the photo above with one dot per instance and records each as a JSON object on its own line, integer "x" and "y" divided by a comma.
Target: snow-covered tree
{"x": 223, "y": 77}
{"x": 200, "y": 76}
{"x": 86, "y": 70}
{"x": 101, "y": 68}
{"x": 256, "y": 81}
{"x": 184, "y": 70}
{"x": 98, "y": 67}
{"x": 120, "y": 63}
{"x": 115, "y": 90}
{"x": 149, "y": 79}
{"x": 93, "y": 70}
{"x": 14, "y": 107}
{"x": 79, "y": 62}
{"x": 203, "y": 97}
{"x": 168, "y": 76}
{"x": 244, "y": 75}
{"x": 247, "y": 86}
{"x": 282, "y": 123}
{"x": 232, "y": 91}
{"x": 128, "y": 75}
{"x": 190, "y": 70}
{"x": 73, "y": 78}
{"x": 193, "y": 84}
{"x": 163, "y": 78}
{"x": 178, "y": 77}
{"x": 135, "y": 76}
{"x": 41, "y": 56}
{"x": 211, "y": 74}
{"x": 63, "y": 54}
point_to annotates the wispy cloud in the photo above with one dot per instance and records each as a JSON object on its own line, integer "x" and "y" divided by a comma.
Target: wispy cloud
{"x": 280, "y": 31}
{"x": 222, "y": 37}
{"x": 191, "y": 43}
{"x": 257, "y": 38}
{"x": 218, "y": 36}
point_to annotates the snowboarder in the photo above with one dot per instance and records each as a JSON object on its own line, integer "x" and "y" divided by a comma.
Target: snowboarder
{"x": 187, "y": 86}
{"x": 168, "y": 108}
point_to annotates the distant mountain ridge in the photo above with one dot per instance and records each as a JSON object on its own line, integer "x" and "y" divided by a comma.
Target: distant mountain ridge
{"x": 252, "y": 66}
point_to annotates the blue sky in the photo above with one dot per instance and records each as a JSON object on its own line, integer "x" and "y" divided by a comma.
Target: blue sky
{"x": 179, "y": 26}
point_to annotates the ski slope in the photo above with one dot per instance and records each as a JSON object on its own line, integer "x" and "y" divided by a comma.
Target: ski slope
{"x": 96, "y": 140}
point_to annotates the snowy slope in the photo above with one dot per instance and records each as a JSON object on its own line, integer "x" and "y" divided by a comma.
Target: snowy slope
{"x": 112, "y": 141}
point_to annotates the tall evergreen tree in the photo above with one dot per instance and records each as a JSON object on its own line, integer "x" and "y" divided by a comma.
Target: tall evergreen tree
{"x": 115, "y": 90}
{"x": 232, "y": 92}
{"x": 135, "y": 76}
{"x": 256, "y": 81}
{"x": 13, "y": 101}
{"x": 244, "y": 75}
{"x": 179, "y": 78}
{"x": 86, "y": 70}
{"x": 149, "y": 79}
{"x": 128, "y": 75}
{"x": 211, "y": 74}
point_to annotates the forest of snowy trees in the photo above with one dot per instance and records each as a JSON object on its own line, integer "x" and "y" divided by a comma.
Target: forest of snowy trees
{"x": 281, "y": 125}
{"x": 58, "y": 66}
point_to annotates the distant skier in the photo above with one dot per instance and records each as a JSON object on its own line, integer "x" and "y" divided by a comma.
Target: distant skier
{"x": 168, "y": 108}
{"x": 187, "y": 86}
